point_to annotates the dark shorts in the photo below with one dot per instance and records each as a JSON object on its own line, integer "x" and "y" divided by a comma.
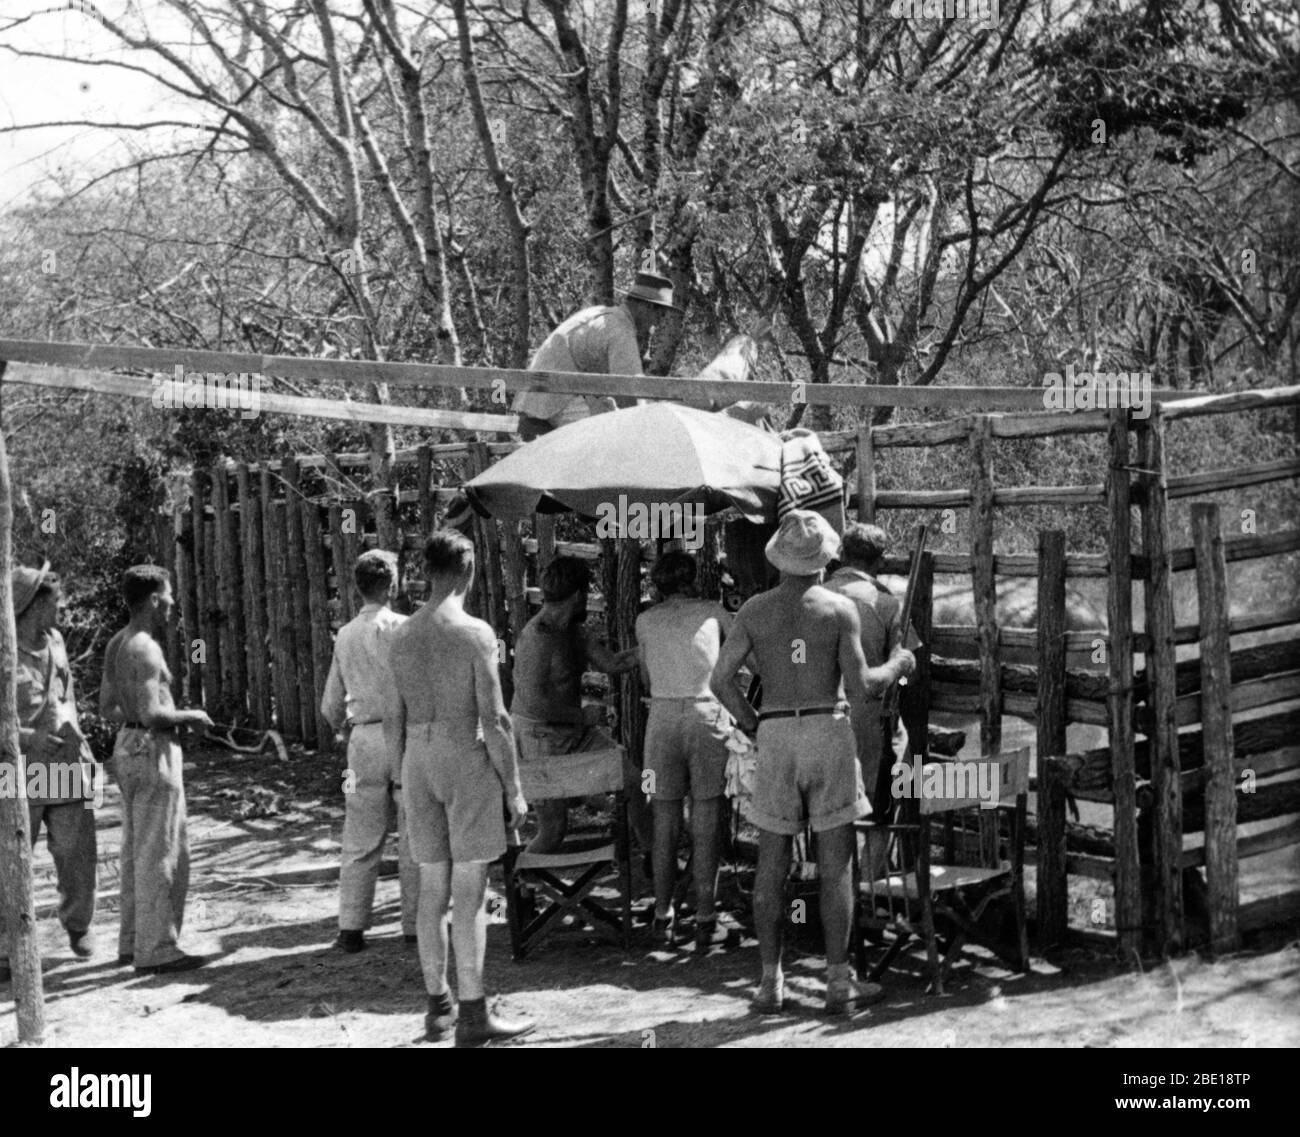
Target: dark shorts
{"x": 807, "y": 773}
{"x": 453, "y": 797}
{"x": 686, "y": 750}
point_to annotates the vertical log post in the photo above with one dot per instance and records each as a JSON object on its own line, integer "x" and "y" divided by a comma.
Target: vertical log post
{"x": 209, "y": 653}
{"x": 1119, "y": 655}
{"x": 1216, "y": 727}
{"x": 866, "y": 476}
{"x": 489, "y": 550}
{"x": 353, "y": 526}
{"x": 1161, "y": 663}
{"x": 300, "y": 605}
{"x": 544, "y": 527}
{"x": 1053, "y": 884}
{"x": 254, "y": 574}
{"x": 424, "y": 476}
{"x": 322, "y": 642}
{"x": 515, "y": 569}
{"x": 172, "y": 646}
{"x": 984, "y": 583}
{"x": 279, "y": 607}
{"x": 339, "y": 559}
{"x": 186, "y": 591}
{"x": 914, "y": 696}
{"x": 708, "y": 560}
{"x": 234, "y": 624}
{"x": 16, "y": 891}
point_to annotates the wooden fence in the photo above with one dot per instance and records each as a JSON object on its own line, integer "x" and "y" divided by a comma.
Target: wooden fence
{"x": 262, "y": 554}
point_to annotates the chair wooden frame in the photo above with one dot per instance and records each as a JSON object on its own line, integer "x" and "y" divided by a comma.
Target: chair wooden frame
{"x": 588, "y": 773}
{"x": 922, "y": 898}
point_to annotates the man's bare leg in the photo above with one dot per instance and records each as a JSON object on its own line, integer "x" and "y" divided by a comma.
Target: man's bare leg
{"x": 835, "y": 869}
{"x": 469, "y": 926}
{"x": 431, "y": 925}
{"x": 705, "y": 822}
{"x": 769, "y": 914}
{"x": 835, "y": 872}
{"x": 668, "y": 833}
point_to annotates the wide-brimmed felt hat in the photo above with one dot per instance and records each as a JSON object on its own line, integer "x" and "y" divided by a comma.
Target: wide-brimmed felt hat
{"x": 804, "y": 544}
{"x": 652, "y": 289}
{"x": 26, "y": 583}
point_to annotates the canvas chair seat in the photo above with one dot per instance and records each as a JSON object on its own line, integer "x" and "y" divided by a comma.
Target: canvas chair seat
{"x": 542, "y": 888}
{"x": 905, "y": 890}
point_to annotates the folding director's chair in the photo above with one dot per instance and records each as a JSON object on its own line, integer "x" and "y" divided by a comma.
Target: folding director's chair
{"x": 567, "y": 878}
{"x": 907, "y": 893}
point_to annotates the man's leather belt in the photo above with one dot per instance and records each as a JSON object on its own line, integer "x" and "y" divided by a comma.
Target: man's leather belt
{"x": 132, "y": 725}
{"x": 800, "y": 712}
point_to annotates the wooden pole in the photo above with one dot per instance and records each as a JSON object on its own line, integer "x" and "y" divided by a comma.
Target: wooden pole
{"x": 1053, "y": 884}
{"x": 16, "y": 892}
{"x": 322, "y": 642}
{"x": 183, "y": 523}
{"x": 1161, "y": 665}
{"x": 172, "y": 647}
{"x": 424, "y": 476}
{"x": 233, "y": 625}
{"x": 353, "y": 525}
{"x": 280, "y": 621}
{"x": 866, "y": 477}
{"x": 1216, "y": 727}
{"x": 339, "y": 559}
{"x": 205, "y": 598}
{"x": 299, "y": 605}
{"x": 254, "y": 580}
{"x": 515, "y": 570}
{"x": 544, "y": 528}
{"x": 489, "y": 550}
{"x": 914, "y": 693}
{"x": 985, "y": 588}
{"x": 1128, "y": 873}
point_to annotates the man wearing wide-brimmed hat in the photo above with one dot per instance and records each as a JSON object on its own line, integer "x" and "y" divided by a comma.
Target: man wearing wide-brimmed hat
{"x": 595, "y": 341}
{"x": 806, "y": 641}
{"x": 60, "y": 781}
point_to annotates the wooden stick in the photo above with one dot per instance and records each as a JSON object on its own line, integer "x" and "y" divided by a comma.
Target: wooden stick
{"x": 1161, "y": 684}
{"x": 254, "y": 581}
{"x": 230, "y": 589}
{"x": 1216, "y": 730}
{"x": 15, "y": 818}
{"x": 1053, "y": 883}
{"x": 283, "y": 637}
{"x": 986, "y": 601}
{"x": 339, "y": 561}
{"x": 300, "y": 604}
{"x": 1128, "y": 880}
{"x": 866, "y": 477}
{"x": 322, "y": 642}
{"x": 183, "y": 524}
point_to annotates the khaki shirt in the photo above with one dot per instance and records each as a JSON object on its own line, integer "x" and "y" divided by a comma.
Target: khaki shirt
{"x": 595, "y": 341}
{"x": 358, "y": 679}
{"x": 46, "y": 703}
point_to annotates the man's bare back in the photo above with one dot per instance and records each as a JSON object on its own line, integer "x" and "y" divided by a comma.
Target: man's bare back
{"x": 433, "y": 658}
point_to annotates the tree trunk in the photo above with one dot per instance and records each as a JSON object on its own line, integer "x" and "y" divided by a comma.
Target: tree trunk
{"x": 15, "y": 820}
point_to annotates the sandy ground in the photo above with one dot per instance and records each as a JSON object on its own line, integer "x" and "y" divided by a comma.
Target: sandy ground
{"x": 263, "y": 897}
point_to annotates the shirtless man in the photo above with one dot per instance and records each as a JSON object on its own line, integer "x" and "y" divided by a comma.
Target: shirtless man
{"x": 553, "y": 652}
{"x": 806, "y": 642}
{"x": 147, "y": 762}
{"x": 448, "y": 732}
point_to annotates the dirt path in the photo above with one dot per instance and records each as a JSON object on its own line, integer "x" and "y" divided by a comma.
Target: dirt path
{"x": 264, "y": 897}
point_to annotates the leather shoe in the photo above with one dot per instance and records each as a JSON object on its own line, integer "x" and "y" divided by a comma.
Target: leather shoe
{"x": 438, "y": 1025}
{"x": 180, "y": 963}
{"x": 478, "y": 1026}
{"x": 125, "y": 960}
{"x": 82, "y": 943}
{"x": 350, "y": 942}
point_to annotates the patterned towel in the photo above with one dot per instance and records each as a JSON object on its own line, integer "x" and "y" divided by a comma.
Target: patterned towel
{"x": 808, "y": 480}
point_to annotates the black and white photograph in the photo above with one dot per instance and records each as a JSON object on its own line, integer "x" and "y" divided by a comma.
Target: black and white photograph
{"x": 651, "y": 524}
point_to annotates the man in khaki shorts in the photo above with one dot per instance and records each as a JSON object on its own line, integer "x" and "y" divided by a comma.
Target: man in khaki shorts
{"x": 148, "y": 763}
{"x": 354, "y": 695}
{"x": 806, "y": 642}
{"x": 446, "y": 727}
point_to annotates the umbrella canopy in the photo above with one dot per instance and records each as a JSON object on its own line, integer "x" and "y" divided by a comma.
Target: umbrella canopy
{"x": 651, "y": 454}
